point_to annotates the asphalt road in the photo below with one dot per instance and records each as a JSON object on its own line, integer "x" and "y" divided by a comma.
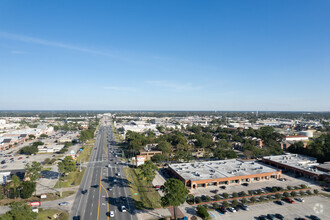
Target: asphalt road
{"x": 97, "y": 203}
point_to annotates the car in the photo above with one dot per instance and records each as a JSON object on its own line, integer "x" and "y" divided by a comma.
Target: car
{"x": 314, "y": 217}
{"x": 5, "y": 166}
{"x": 84, "y": 191}
{"x": 232, "y": 209}
{"x": 300, "y": 200}
{"x": 114, "y": 180}
{"x": 112, "y": 214}
{"x": 262, "y": 217}
{"x": 245, "y": 184}
{"x": 95, "y": 186}
{"x": 123, "y": 208}
{"x": 271, "y": 216}
{"x": 288, "y": 200}
{"x": 53, "y": 155}
{"x": 279, "y": 216}
{"x": 118, "y": 174}
{"x": 279, "y": 202}
{"x": 244, "y": 207}
{"x": 109, "y": 165}
{"x": 109, "y": 189}
{"x": 63, "y": 203}
{"x": 222, "y": 210}
{"x": 223, "y": 187}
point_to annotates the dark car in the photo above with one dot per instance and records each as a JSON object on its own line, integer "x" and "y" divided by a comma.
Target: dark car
{"x": 279, "y": 202}
{"x": 314, "y": 217}
{"x": 222, "y": 210}
{"x": 245, "y": 184}
{"x": 84, "y": 191}
{"x": 271, "y": 216}
{"x": 223, "y": 187}
{"x": 262, "y": 217}
{"x": 76, "y": 217}
{"x": 95, "y": 186}
{"x": 279, "y": 216}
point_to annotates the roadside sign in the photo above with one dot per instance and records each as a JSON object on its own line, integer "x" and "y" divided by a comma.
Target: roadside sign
{"x": 35, "y": 203}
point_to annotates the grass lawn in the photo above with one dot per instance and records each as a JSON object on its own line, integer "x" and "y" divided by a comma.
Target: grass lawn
{"x": 144, "y": 195}
{"x": 86, "y": 153}
{"x": 72, "y": 179}
{"x": 46, "y": 169}
{"x": 50, "y": 197}
{"x": 49, "y": 214}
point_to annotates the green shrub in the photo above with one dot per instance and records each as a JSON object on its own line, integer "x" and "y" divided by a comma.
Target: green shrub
{"x": 202, "y": 212}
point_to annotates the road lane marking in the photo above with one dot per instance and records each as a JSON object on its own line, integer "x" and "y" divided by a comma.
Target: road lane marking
{"x": 98, "y": 207}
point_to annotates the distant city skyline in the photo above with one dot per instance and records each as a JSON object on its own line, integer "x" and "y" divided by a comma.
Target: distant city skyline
{"x": 165, "y": 55}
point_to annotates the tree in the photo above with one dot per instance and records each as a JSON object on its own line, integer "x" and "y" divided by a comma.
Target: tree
{"x": 207, "y": 198}
{"x": 243, "y": 194}
{"x": 250, "y": 192}
{"x": 244, "y": 200}
{"x": 147, "y": 171}
{"x": 19, "y": 210}
{"x": 235, "y": 195}
{"x": 225, "y": 204}
{"x": 278, "y": 196}
{"x": 198, "y": 200}
{"x": 157, "y": 158}
{"x": 293, "y": 193}
{"x": 253, "y": 199}
{"x": 31, "y": 136}
{"x": 286, "y": 194}
{"x": 28, "y": 187}
{"x": 234, "y": 203}
{"x": 67, "y": 165}
{"x": 215, "y": 205}
{"x": 175, "y": 193}
{"x": 225, "y": 195}
{"x": 316, "y": 191}
{"x": 16, "y": 182}
{"x": 190, "y": 199}
{"x": 216, "y": 198}
{"x": 261, "y": 198}
{"x": 202, "y": 212}
{"x": 47, "y": 161}
{"x": 33, "y": 170}
{"x": 309, "y": 192}
{"x": 43, "y": 136}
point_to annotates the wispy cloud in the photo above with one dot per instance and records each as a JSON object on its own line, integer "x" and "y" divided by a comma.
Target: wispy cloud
{"x": 118, "y": 88}
{"x": 39, "y": 41}
{"x": 174, "y": 86}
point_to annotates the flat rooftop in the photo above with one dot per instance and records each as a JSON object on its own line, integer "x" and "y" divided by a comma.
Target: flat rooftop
{"x": 297, "y": 161}
{"x": 219, "y": 169}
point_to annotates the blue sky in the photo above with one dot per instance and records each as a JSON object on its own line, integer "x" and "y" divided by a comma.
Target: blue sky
{"x": 165, "y": 55}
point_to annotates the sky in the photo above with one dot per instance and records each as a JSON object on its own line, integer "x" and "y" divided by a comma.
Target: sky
{"x": 234, "y": 55}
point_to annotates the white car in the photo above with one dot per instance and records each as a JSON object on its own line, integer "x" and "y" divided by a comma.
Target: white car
{"x": 123, "y": 208}
{"x": 232, "y": 209}
{"x": 300, "y": 200}
{"x": 112, "y": 214}
{"x": 63, "y": 203}
{"x": 118, "y": 174}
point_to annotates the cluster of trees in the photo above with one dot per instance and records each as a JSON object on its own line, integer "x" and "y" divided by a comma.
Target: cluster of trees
{"x": 86, "y": 135}
{"x": 319, "y": 148}
{"x": 31, "y": 149}
{"x": 24, "y": 189}
{"x": 19, "y": 210}
{"x": 67, "y": 165}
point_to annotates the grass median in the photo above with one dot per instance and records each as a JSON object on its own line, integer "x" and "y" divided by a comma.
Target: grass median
{"x": 53, "y": 214}
{"x": 144, "y": 195}
{"x": 72, "y": 179}
{"x": 86, "y": 153}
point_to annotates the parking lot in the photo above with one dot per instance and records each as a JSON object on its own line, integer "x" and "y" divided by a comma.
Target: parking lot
{"x": 290, "y": 181}
{"x": 313, "y": 205}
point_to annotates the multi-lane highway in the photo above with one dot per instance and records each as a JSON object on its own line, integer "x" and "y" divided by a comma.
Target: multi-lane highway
{"x": 104, "y": 188}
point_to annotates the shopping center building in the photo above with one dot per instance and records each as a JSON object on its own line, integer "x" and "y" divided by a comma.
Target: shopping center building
{"x": 222, "y": 172}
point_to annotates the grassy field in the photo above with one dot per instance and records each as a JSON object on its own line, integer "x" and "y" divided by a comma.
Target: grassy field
{"x": 49, "y": 214}
{"x": 50, "y": 197}
{"x": 72, "y": 179}
{"x": 86, "y": 153}
{"x": 144, "y": 195}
